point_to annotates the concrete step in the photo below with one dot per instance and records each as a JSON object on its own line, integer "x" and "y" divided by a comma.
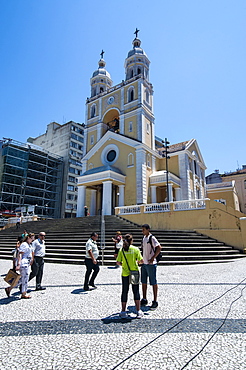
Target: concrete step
{"x": 66, "y": 240}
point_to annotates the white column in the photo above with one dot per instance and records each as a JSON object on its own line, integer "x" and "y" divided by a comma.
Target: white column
{"x": 121, "y": 124}
{"x": 93, "y": 202}
{"x": 107, "y": 198}
{"x": 153, "y": 163}
{"x": 153, "y": 193}
{"x": 170, "y": 192}
{"x": 121, "y": 195}
{"x": 81, "y": 201}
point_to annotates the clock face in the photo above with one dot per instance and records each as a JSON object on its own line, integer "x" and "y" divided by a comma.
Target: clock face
{"x": 110, "y": 100}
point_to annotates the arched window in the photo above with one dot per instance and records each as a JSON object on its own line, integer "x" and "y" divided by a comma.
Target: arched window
{"x": 139, "y": 71}
{"x": 148, "y": 160}
{"x": 93, "y": 111}
{"x": 147, "y": 96}
{"x": 130, "y": 159}
{"x": 101, "y": 89}
{"x": 131, "y": 94}
{"x": 130, "y": 127}
{"x": 131, "y": 73}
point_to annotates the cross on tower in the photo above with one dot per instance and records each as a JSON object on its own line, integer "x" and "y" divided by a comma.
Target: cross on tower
{"x": 102, "y": 54}
{"x": 136, "y": 33}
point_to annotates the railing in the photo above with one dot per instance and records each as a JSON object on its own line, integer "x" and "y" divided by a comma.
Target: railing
{"x": 24, "y": 219}
{"x": 184, "y": 205}
{"x": 157, "y": 207}
{"x": 180, "y": 205}
{"x": 102, "y": 236}
{"x": 128, "y": 209}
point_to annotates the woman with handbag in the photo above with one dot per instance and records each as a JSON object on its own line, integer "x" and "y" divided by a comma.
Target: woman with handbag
{"x": 25, "y": 259}
{"x": 129, "y": 257}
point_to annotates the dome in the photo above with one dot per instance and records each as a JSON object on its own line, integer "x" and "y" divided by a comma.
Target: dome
{"x": 101, "y": 71}
{"x": 136, "y": 48}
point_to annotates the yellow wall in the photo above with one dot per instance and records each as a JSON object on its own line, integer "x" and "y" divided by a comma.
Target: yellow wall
{"x": 173, "y": 165}
{"x": 132, "y": 134}
{"x": 89, "y": 145}
{"x": 223, "y": 222}
{"x": 228, "y": 195}
{"x": 135, "y": 85}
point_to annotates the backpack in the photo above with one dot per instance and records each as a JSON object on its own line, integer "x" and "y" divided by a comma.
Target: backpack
{"x": 159, "y": 256}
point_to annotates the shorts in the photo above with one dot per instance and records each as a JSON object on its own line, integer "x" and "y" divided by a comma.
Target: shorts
{"x": 116, "y": 250}
{"x": 148, "y": 271}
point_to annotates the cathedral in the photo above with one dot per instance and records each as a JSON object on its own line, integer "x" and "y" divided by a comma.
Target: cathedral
{"x": 124, "y": 163}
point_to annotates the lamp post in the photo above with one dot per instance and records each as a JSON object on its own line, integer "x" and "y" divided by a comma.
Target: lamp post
{"x": 165, "y": 154}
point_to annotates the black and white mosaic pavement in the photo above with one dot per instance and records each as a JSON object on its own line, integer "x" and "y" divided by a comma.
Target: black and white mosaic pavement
{"x": 200, "y": 322}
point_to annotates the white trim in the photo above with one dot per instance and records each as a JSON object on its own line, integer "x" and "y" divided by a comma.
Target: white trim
{"x": 105, "y": 152}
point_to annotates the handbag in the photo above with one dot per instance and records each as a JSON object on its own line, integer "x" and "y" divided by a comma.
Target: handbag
{"x": 134, "y": 277}
{"x": 12, "y": 278}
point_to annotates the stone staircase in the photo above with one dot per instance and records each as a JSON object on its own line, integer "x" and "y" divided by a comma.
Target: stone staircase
{"x": 66, "y": 238}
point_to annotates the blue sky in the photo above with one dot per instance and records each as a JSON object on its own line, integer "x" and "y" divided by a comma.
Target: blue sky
{"x": 50, "y": 48}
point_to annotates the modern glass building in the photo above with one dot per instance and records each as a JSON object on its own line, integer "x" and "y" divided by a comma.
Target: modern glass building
{"x": 30, "y": 176}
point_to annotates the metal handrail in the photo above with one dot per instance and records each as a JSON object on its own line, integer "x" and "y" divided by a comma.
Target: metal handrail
{"x": 102, "y": 238}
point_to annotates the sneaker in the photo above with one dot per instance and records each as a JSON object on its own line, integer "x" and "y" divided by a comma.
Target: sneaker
{"x": 93, "y": 286}
{"x": 123, "y": 315}
{"x": 143, "y": 302}
{"x": 140, "y": 314}
{"x": 154, "y": 305}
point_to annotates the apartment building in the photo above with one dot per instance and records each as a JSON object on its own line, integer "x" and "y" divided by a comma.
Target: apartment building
{"x": 66, "y": 140}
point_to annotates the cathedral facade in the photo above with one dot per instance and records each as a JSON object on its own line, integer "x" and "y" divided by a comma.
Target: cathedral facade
{"x": 124, "y": 162}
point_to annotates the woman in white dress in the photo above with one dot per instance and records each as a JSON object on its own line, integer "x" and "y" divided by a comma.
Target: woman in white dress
{"x": 25, "y": 259}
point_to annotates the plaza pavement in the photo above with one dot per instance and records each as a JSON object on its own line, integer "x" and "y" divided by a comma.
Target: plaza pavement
{"x": 64, "y": 327}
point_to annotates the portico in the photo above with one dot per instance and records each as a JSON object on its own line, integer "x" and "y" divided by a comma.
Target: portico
{"x": 104, "y": 187}
{"x": 158, "y": 187}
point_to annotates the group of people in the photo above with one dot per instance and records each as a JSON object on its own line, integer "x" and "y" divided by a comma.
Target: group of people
{"x": 28, "y": 252}
{"x": 130, "y": 258}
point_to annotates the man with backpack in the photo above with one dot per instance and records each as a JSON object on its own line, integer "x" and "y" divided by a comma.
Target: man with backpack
{"x": 151, "y": 251}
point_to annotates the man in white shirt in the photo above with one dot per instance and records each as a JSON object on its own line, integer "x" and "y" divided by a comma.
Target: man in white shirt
{"x": 91, "y": 263}
{"x": 151, "y": 249}
{"x": 38, "y": 264}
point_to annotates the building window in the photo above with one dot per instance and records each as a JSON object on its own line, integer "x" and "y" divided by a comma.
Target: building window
{"x": 93, "y": 111}
{"x": 73, "y": 144}
{"x": 139, "y": 71}
{"x": 130, "y": 94}
{"x": 71, "y": 169}
{"x": 69, "y": 206}
{"x": 147, "y": 128}
{"x": 71, "y": 178}
{"x": 130, "y": 127}
{"x": 70, "y": 196}
{"x": 147, "y": 96}
{"x": 92, "y": 139}
{"x": 110, "y": 154}
{"x": 70, "y": 187}
{"x": 130, "y": 160}
{"x": 148, "y": 160}
{"x": 101, "y": 89}
{"x": 244, "y": 184}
